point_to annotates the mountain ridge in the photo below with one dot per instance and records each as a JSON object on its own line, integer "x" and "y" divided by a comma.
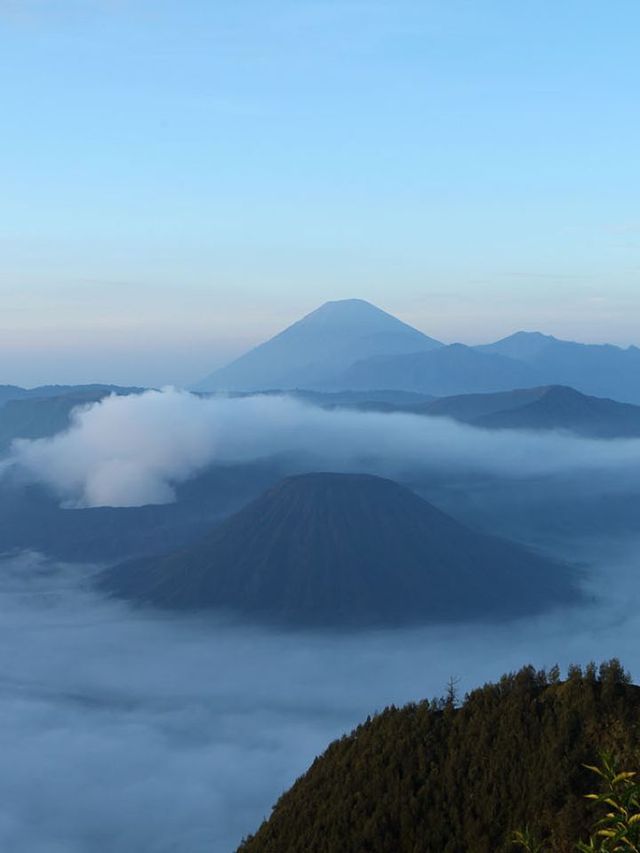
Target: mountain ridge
{"x": 353, "y": 345}
{"x": 549, "y": 407}
{"x": 601, "y": 370}
{"x": 450, "y": 369}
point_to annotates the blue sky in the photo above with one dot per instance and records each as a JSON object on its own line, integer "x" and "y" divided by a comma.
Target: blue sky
{"x": 181, "y": 179}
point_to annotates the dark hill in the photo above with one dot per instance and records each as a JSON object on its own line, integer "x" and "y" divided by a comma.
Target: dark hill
{"x": 554, "y": 407}
{"x": 559, "y": 407}
{"x": 470, "y": 408}
{"x": 349, "y": 550}
{"x": 429, "y": 778}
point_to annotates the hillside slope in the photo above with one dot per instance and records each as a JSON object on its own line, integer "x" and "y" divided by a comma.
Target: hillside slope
{"x": 429, "y": 778}
{"x": 347, "y": 550}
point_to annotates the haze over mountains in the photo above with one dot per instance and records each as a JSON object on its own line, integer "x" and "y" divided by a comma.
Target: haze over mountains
{"x": 453, "y": 369}
{"x": 351, "y": 345}
{"x": 326, "y": 549}
{"x": 337, "y": 548}
{"x": 41, "y": 412}
{"x": 553, "y": 407}
{"x": 599, "y": 369}
{"x": 350, "y": 353}
{"x": 175, "y": 510}
{"x": 314, "y": 352}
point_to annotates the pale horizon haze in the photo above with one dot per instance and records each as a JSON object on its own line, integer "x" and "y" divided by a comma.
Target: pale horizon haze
{"x": 180, "y": 181}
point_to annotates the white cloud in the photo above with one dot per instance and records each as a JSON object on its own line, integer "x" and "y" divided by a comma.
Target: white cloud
{"x": 127, "y": 451}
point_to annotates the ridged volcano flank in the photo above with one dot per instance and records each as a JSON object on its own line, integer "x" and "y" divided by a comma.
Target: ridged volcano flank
{"x": 346, "y": 549}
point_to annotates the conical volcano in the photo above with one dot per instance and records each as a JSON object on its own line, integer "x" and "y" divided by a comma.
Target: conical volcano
{"x": 314, "y": 350}
{"x": 346, "y": 550}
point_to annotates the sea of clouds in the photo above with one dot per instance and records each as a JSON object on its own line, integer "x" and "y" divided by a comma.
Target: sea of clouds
{"x": 127, "y": 730}
{"x": 123, "y": 729}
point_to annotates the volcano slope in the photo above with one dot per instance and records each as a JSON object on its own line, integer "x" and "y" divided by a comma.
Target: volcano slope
{"x": 346, "y": 550}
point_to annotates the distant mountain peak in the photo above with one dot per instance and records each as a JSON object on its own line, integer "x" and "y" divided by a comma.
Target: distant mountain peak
{"x": 322, "y": 344}
{"x": 527, "y": 334}
{"x": 349, "y": 311}
{"x": 346, "y": 304}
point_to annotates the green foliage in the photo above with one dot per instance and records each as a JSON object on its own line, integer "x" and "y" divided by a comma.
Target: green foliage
{"x": 619, "y": 830}
{"x": 528, "y": 841}
{"x": 433, "y": 777}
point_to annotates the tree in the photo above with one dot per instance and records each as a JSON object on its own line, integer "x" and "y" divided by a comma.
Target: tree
{"x": 451, "y": 696}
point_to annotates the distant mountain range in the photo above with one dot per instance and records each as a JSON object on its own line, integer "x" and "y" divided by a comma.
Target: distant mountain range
{"x": 552, "y": 407}
{"x": 599, "y": 369}
{"x": 45, "y": 411}
{"x": 352, "y": 345}
{"x": 542, "y": 408}
{"x": 454, "y": 369}
{"x": 15, "y": 392}
{"x": 346, "y": 550}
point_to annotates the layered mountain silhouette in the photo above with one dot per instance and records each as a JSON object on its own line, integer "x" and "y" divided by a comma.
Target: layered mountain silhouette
{"x": 524, "y": 360}
{"x": 548, "y": 407}
{"x": 346, "y": 550}
{"x": 599, "y": 369}
{"x": 552, "y": 407}
{"x": 43, "y": 412}
{"x": 314, "y": 351}
{"x": 447, "y": 370}
{"x": 350, "y": 345}
{"x": 41, "y": 392}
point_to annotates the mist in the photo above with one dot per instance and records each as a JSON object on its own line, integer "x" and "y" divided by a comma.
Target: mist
{"x": 126, "y": 730}
{"x": 130, "y": 729}
{"x": 129, "y": 451}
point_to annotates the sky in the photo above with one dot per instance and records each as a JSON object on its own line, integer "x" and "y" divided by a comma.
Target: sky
{"x": 180, "y": 180}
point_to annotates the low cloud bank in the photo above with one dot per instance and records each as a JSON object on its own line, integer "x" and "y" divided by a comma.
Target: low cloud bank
{"x": 124, "y": 730}
{"x": 129, "y": 451}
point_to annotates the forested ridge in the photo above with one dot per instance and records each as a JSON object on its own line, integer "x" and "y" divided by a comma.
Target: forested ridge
{"x": 432, "y": 777}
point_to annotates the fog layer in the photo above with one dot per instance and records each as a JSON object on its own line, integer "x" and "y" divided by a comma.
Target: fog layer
{"x": 124, "y": 730}
{"x": 128, "y": 451}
